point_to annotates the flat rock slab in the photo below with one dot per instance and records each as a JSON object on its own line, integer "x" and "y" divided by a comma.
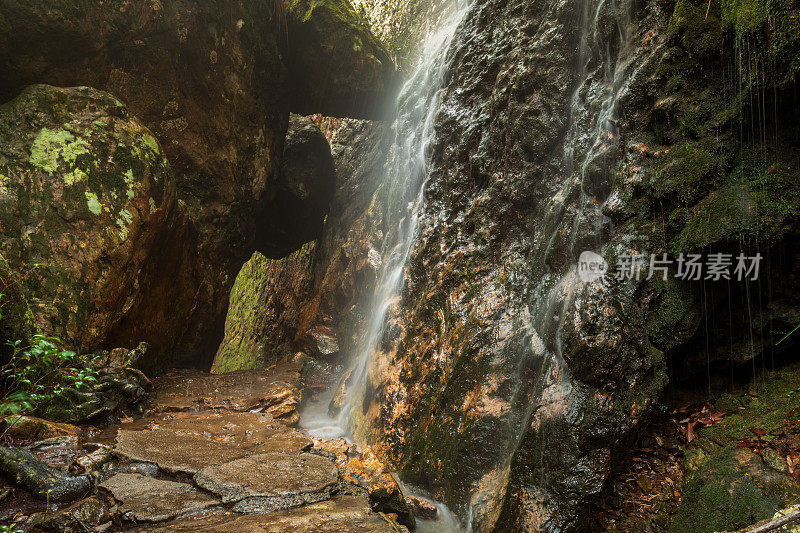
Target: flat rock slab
{"x": 259, "y": 431}
{"x": 175, "y": 452}
{"x": 344, "y": 514}
{"x": 276, "y": 390}
{"x": 266, "y": 482}
{"x": 154, "y": 500}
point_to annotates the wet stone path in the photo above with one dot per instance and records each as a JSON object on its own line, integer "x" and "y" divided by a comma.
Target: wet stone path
{"x": 220, "y": 453}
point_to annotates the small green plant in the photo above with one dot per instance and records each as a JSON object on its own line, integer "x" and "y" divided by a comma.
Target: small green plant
{"x": 39, "y": 372}
{"x": 10, "y": 528}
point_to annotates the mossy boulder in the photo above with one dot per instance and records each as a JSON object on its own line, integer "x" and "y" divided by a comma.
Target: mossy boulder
{"x": 208, "y": 80}
{"x": 337, "y": 67}
{"x": 264, "y": 311}
{"x": 86, "y": 193}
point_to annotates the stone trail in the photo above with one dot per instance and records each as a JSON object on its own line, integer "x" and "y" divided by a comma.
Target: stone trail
{"x": 219, "y": 453}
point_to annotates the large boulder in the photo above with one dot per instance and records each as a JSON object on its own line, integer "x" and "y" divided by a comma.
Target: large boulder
{"x": 266, "y": 300}
{"x": 315, "y": 299}
{"x": 502, "y": 381}
{"x": 336, "y": 66}
{"x": 210, "y": 81}
{"x": 87, "y": 201}
{"x": 264, "y": 311}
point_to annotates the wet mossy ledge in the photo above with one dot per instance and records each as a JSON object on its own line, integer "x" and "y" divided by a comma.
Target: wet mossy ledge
{"x": 724, "y": 131}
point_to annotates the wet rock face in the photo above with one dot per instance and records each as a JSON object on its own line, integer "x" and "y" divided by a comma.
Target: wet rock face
{"x": 498, "y": 355}
{"x": 86, "y": 194}
{"x": 347, "y": 260}
{"x": 362, "y": 473}
{"x": 709, "y": 188}
{"x": 336, "y": 66}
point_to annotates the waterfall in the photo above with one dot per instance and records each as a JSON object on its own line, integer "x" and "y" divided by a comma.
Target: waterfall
{"x": 404, "y": 182}
{"x": 406, "y": 176}
{"x": 592, "y": 142}
{"x": 591, "y": 153}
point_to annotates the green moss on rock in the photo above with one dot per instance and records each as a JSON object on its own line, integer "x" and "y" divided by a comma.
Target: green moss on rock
{"x": 264, "y": 311}
{"x": 757, "y": 201}
{"x": 81, "y": 177}
{"x": 731, "y": 489}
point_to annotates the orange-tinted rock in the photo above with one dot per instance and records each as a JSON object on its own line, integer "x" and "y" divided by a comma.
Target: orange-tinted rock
{"x": 422, "y": 508}
{"x": 362, "y": 469}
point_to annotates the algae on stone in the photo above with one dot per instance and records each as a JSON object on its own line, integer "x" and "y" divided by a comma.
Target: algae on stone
{"x": 264, "y": 311}
{"x": 86, "y": 190}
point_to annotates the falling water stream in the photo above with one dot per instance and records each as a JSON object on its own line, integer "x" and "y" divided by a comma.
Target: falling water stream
{"x": 404, "y": 179}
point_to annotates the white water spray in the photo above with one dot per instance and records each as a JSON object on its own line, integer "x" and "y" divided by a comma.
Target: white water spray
{"x": 404, "y": 180}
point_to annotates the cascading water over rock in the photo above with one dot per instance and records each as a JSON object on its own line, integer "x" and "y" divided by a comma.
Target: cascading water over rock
{"x": 404, "y": 182}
